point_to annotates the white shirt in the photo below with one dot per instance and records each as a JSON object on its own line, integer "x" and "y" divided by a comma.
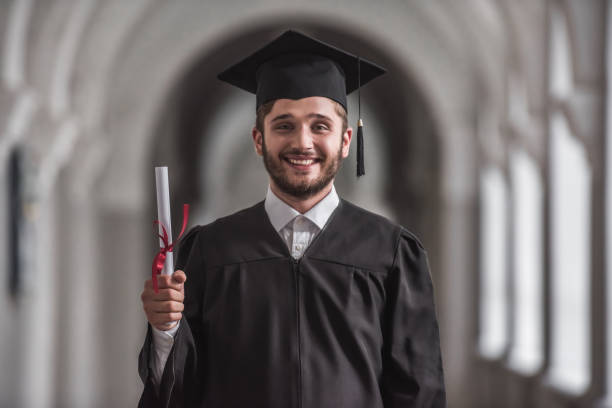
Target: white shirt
{"x": 296, "y": 229}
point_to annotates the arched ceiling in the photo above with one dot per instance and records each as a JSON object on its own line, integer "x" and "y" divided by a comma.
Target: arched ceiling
{"x": 129, "y": 56}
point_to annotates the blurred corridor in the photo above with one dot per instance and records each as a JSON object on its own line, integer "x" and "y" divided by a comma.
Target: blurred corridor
{"x": 489, "y": 137}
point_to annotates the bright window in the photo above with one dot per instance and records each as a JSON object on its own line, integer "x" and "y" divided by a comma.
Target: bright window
{"x": 493, "y": 261}
{"x": 570, "y": 240}
{"x": 526, "y": 354}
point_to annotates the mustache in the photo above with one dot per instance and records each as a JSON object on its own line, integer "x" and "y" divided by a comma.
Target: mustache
{"x": 301, "y": 153}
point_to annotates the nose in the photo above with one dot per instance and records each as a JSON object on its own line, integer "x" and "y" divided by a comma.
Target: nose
{"x": 304, "y": 138}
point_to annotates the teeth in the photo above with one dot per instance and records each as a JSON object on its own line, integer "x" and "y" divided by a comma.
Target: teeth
{"x": 301, "y": 162}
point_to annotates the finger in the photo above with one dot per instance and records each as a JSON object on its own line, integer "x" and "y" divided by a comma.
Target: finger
{"x": 179, "y": 276}
{"x": 152, "y": 305}
{"x": 165, "y": 281}
{"x": 165, "y": 307}
{"x": 169, "y": 294}
{"x": 149, "y": 296}
{"x": 148, "y": 284}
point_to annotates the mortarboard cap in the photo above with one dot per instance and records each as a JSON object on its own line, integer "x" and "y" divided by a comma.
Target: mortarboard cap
{"x": 296, "y": 66}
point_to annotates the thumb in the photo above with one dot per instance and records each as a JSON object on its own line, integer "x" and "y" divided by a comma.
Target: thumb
{"x": 179, "y": 276}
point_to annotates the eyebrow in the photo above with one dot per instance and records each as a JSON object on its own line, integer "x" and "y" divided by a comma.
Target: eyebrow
{"x": 290, "y": 116}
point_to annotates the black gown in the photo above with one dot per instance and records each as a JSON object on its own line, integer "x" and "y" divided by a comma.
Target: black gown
{"x": 350, "y": 324}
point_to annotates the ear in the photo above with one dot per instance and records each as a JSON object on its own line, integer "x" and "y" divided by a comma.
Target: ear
{"x": 346, "y": 142}
{"x": 257, "y": 140}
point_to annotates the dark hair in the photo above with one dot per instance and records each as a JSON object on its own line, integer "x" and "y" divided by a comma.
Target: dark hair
{"x": 266, "y": 108}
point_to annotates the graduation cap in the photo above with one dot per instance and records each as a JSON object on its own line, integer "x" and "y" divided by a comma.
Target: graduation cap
{"x": 295, "y": 66}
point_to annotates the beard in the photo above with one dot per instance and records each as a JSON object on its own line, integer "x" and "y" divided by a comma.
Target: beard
{"x": 301, "y": 189}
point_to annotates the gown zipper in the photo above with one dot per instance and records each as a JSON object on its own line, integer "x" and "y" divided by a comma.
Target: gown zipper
{"x": 296, "y": 275}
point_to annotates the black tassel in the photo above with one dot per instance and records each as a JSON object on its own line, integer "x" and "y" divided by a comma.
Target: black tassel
{"x": 360, "y": 161}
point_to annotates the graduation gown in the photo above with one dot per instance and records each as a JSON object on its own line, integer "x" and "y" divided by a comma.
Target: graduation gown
{"x": 350, "y": 324}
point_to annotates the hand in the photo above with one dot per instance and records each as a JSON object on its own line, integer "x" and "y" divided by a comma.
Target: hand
{"x": 164, "y": 309}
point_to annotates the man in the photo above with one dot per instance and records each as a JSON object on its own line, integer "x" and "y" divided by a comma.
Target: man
{"x": 303, "y": 300}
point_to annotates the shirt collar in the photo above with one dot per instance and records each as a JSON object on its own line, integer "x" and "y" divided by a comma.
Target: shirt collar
{"x": 280, "y": 213}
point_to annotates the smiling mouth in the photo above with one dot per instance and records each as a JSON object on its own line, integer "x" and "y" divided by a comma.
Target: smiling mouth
{"x": 306, "y": 162}
{"x": 301, "y": 163}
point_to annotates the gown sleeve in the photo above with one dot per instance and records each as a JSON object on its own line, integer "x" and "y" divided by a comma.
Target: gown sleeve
{"x": 412, "y": 365}
{"x": 179, "y": 385}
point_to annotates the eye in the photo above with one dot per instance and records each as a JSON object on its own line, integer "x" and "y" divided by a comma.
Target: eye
{"x": 321, "y": 126}
{"x": 283, "y": 126}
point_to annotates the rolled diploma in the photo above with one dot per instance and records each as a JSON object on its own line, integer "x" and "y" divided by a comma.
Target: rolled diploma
{"x": 163, "y": 213}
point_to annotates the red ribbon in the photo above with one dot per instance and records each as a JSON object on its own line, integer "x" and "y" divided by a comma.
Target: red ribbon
{"x": 160, "y": 258}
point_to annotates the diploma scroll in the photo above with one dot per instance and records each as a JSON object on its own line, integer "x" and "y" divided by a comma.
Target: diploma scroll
{"x": 164, "y": 260}
{"x": 163, "y": 214}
